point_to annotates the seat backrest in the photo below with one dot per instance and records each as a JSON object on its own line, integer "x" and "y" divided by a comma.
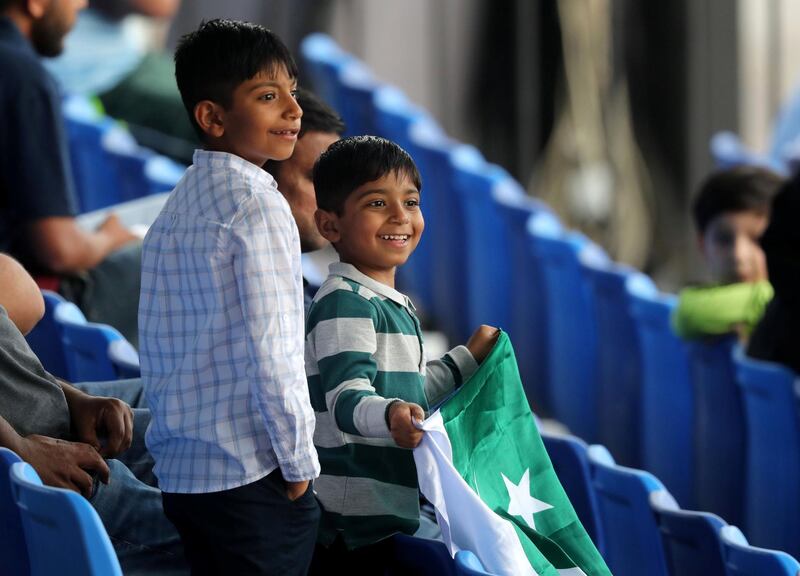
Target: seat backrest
{"x": 526, "y": 325}
{"x": 572, "y": 333}
{"x": 394, "y": 116}
{"x": 45, "y": 338}
{"x": 13, "y": 552}
{"x": 421, "y": 556}
{"x": 632, "y": 540}
{"x": 486, "y": 243}
{"x": 568, "y": 455}
{"x": 86, "y": 345}
{"x": 357, "y": 86}
{"x": 325, "y": 59}
{"x": 96, "y": 183}
{"x": 719, "y": 429}
{"x": 772, "y": 497}
{"x": 467, "y": 564}
{"x": 444, "y": 218}
{"x": 667, "y": 418}
{"x": 691, "y": 539}
{"x": 741, "y": 559}
{"x": 63, "y": 532}
{"x": 618, "y": 360}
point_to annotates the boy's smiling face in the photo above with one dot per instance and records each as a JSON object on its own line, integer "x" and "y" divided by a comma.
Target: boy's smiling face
{"x": 379, "y": 227}
{"x": 262, "y": 121}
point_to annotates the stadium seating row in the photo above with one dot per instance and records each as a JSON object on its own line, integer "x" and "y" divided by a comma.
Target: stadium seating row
{"x": 593, "y": 338}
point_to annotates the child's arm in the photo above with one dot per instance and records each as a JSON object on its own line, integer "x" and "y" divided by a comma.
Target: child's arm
{"x": 341, "y": 346}
{"x": 452, "y": 369}
{"x": 266, "y": 266}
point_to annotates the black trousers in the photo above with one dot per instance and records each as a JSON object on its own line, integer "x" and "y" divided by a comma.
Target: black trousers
{"x": 373, "y": 560}
{"x": 250, "y": 530}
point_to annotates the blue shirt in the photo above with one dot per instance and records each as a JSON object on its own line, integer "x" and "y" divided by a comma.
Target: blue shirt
{"x": 35, "y": 175}
{"x": 221, "y": 332}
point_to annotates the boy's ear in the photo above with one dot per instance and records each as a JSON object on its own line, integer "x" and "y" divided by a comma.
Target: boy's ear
{"x": 210, "y": 117}
{"x": 328, "y": 225}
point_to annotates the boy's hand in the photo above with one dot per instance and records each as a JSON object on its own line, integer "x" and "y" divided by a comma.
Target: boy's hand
{"x": 296, "y": 489}
{"x": 404, "y": 433}
{"x": 482, "y": 341}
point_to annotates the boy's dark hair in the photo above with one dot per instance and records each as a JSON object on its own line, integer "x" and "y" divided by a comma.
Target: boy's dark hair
{"x": 221, "y": 54}
{"x": 349, "y": 163}
{"x": 317, "y": 117}
{"x": 739, "y": 189}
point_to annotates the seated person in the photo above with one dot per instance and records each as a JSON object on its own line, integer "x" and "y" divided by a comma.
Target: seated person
{"x": 65, "y": 434}
{"x": 775, "y": 337}
{"x": 365, "y": 360}
{"x": 97, "y": 270}
{"x": 107, "y": 55}
{"x": 731, "y": 212}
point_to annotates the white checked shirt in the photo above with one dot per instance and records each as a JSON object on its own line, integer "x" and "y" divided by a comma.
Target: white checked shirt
{"x": 221, "y": 331}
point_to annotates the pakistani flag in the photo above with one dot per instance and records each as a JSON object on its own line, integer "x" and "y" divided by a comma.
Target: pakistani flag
{"x": 482, "y": 465}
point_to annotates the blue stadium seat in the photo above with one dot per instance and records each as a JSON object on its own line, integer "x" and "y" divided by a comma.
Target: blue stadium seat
{"x": 394, "y": 116}
{"x": 324, "y": 60}
{"x": 667, "y": 439}
{"x": 87, "y": 348}
{"x": 63, "y": 532}
{"x": 527, "y": 324}
{"x": 467, "y": 564}
{"x": 421, "y": 556}
{"x": 728, "y": 151}
{"x": 691, "y": 539}
{"x": 619, "y": 376}
{"x": 13, "y": 552}
{"x": 772, "y": 493}
{"x": 572, "y": 333}
{"x": 96, "y": 181}
{"x": 719, "y": 429}
{"x": 741, "y": 559}
{"x": 570, "y": 460}
{"x": 444, "y": 236}
{"x": 162, "y": 174}
{"x": 357, "y": 86}
{"x": 486, "y": 242}
{"x": 632, "y": 541}
{"x": 45, "y": 338}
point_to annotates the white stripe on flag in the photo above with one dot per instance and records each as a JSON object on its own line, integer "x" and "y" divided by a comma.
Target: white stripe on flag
{"x": 467, "y": 523}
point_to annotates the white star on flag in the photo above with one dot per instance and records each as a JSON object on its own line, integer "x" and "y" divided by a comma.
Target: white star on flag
{"x": 521, "y": 502}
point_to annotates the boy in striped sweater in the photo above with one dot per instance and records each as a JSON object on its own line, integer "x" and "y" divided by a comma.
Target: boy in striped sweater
{"x": 367, "y": 373}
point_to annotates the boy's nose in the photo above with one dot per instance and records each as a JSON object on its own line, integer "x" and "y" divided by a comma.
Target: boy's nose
{"x": 293, "y": 109}
{"x": 399, "y": 215}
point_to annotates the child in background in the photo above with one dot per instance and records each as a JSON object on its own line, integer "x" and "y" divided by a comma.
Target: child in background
{"x": 367, "y": 372}
{"x": 221, "y": 318}
{"x": 731, "y": 212}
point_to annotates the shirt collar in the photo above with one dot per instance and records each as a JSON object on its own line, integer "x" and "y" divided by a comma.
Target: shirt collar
{"x": 215, "y": 159}
{"x": 351, "y": 272}
{"x": 11, "y": 34}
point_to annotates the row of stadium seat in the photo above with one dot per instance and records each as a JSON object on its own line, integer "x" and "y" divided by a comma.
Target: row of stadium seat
{"x": 592, "y": 337}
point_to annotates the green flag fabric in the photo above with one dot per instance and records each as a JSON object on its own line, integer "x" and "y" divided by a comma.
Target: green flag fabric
{"x": 483, "y": 466}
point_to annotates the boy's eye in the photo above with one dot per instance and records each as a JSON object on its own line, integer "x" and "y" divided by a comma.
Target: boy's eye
{"x": 412, "y": 202}
{"x": 267, "y": 96}
{"x": 294, "y": 94}
{"x": 377, "y": 203}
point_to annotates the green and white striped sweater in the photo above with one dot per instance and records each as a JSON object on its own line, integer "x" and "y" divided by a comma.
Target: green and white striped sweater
{"x": 363, "y": 349}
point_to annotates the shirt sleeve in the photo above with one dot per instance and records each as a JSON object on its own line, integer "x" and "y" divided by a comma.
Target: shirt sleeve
{"x": 715, "y": 310}
{"x": 342, "y": 338}
{"x": 448, "y": 372}
{"x": 269, "y": 283}
{"x": 34, "y": 132}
